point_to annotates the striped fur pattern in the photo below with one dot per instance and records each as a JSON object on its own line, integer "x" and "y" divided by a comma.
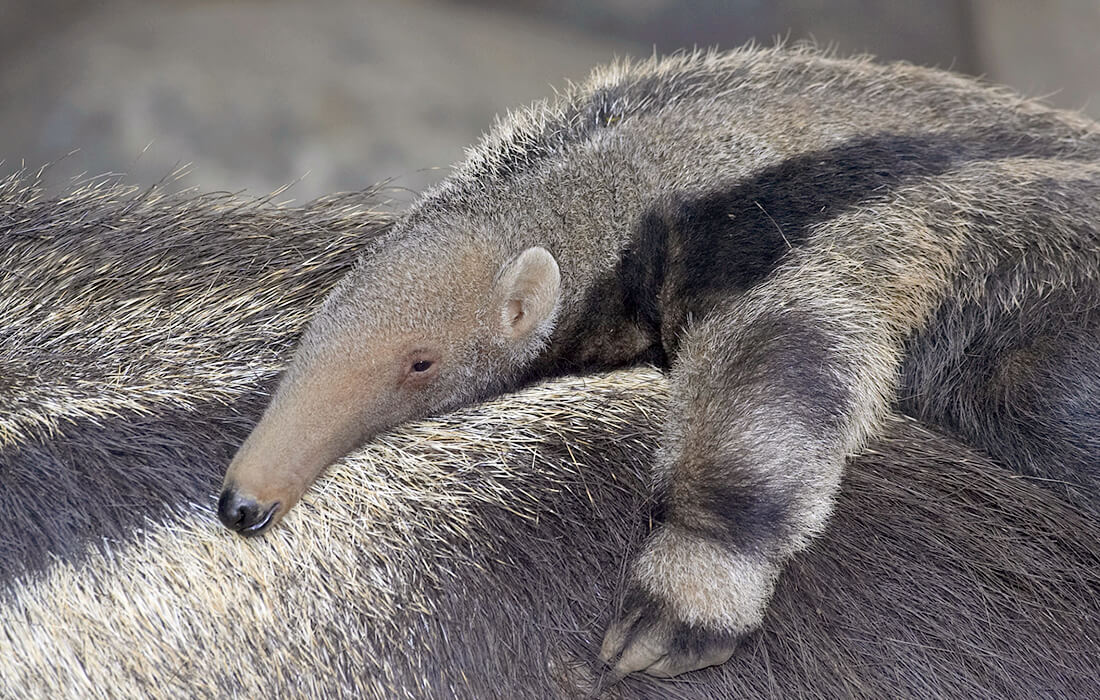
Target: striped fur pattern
{"x": 475, "y": 555}
{"x": 801, "y": 241}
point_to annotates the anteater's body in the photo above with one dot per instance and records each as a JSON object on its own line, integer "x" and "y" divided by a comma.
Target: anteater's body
{"x": 802, "y": 241}
{"x": 475, "y": 556}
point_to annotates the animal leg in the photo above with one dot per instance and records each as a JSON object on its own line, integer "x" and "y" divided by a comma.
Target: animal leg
{"x": 765, "y": 408}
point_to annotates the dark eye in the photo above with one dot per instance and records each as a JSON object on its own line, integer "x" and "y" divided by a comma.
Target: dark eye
{"x": 421, "y": 366}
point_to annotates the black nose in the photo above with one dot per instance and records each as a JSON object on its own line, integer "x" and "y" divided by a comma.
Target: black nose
{"x": 243, "y": 514}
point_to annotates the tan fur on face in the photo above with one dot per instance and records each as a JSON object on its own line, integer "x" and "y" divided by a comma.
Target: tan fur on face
{"x": 309, "y": 425}
{"x": 347, "y": 386}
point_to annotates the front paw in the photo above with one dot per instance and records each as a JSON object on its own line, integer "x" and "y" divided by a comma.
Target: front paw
{"x": 688, "y": 603}
{"x": 649, "y": 637}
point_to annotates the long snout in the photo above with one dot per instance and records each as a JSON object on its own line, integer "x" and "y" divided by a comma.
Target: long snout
{"x": 263, "y": 483}
{"x": 303, "y": 431}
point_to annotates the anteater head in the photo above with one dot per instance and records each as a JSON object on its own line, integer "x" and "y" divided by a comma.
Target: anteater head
{"x": 414, "y": 330}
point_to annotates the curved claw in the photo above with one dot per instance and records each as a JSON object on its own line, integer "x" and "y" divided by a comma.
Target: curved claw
{"x": 649, "y": 638}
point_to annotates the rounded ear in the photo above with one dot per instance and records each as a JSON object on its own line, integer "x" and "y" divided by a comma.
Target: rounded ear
{"x": 527, "y": 292}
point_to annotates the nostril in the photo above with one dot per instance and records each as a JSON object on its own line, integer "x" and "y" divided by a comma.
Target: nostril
{"x": 242, "y": 514}
{"x": 229, "y": 511}
{"x": 234, "y": 512}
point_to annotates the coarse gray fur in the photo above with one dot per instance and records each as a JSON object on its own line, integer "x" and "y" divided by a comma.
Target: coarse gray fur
{"x": 806, "y": 243}
{"x": 478, "y": 555}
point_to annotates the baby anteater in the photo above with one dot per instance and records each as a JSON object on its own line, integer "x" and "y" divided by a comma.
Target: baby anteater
{"x": 801, "y": 241}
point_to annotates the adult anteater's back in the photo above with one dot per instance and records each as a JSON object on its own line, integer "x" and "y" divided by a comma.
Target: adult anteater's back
{"x": 476, "y": 555}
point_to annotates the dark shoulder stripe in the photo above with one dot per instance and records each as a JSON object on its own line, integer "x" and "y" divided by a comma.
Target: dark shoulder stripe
{"x": 730, "y": 239}
{"x": 688, "y": 250}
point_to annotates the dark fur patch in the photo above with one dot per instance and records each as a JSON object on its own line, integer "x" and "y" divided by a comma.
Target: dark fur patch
{"x": 649, "y": 612}
{"x": 621, "y": 322}
{"x": 101, "y": 481}
{"x": 733, "y": 507}
{"x": 731, "y": 239}
{"x": 689, "y": 251}
{"x": 792, "y": 354}
{"x": 1015, "y": 370}
{"x": 1021, "y": 382}
{"x": 728, "y": 497}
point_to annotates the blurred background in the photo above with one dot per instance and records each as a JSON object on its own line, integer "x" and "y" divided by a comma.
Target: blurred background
{"x": 252, "y": 95}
